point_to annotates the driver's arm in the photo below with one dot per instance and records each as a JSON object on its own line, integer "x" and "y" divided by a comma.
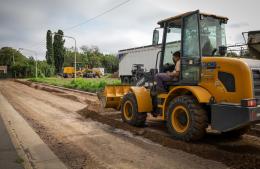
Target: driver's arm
{"x": 176, "y": 71}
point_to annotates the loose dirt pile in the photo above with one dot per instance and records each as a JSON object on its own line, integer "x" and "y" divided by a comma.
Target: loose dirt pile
{"x": 213, "y": 147}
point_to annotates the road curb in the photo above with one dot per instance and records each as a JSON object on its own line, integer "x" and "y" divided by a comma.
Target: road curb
{"x": 29, "y": 146}
{"x": 28, "y": 83}
{"x": 18, "y": 147}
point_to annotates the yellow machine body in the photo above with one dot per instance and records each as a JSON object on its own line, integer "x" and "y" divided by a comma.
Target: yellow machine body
{"x": 68, "y": 70}
{"x": 216, "y": 91}
{"x": 209, "y": 87}
{"x": 113, "y": 94}
{"x": 235, "y": 66}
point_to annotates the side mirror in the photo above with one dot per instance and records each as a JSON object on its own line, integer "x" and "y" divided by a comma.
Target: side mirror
{"x": 155, "y": 37}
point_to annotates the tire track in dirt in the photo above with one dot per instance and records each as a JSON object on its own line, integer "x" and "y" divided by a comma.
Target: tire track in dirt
{"x": 98, "y": 142}
{"x": 235, "y": 156}
{"x": 70, "y": 154}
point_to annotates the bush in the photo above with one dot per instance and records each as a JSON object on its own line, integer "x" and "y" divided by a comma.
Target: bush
{"x": 90, "y": 85}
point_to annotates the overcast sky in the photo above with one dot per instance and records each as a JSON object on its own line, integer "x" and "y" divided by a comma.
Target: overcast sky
{"x": 24, "y": 22}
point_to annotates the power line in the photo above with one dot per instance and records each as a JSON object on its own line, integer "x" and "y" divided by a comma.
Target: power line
{"x": 89, "y": 20}
{"x": 97, "y": 16}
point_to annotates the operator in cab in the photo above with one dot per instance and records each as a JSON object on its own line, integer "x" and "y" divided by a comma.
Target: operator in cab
{"x": 160, "y": 78}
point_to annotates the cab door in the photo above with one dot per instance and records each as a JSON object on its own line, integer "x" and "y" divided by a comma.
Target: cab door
{"x": 190, "y": 49}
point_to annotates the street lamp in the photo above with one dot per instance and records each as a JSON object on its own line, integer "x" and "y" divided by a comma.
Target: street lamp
{"x": 75, "y": 51}
{"x": 36, "y": 70}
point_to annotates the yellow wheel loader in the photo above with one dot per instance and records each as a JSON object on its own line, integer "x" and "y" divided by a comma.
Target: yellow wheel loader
{"x": 212, "y": 91}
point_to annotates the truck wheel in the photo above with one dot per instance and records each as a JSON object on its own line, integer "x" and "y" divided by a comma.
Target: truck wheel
{"x": 129, "y": 111}
{"x": 126, "y": 80}
{"x": 236, "y": 134}
{"x": 186, "y": 119}
{"x": 133, "y": 80}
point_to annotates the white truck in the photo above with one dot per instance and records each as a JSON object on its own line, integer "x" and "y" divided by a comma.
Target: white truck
{"x": 146, "y": 56}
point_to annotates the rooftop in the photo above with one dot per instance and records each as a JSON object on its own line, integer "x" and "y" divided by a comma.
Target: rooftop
{"x": 177, "y": 19}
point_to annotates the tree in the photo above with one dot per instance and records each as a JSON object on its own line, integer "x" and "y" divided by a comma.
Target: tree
{"x": 49, "y": 52}
{"x": 59, "y": 51}
{"x": 110, "y": 63}
{"x": 9, "y": 55}
{"x": 95, "y": 58}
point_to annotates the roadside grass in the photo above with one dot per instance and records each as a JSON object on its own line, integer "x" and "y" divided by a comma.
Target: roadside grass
{"x": 89, "y": 85}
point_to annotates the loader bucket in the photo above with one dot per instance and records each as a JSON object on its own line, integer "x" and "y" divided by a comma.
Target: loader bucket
{"x": 112, "y": 95}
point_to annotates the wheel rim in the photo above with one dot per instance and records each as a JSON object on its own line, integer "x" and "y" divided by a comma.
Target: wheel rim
{"x": 128, "y": 110}
{"x": 180, "y": 119}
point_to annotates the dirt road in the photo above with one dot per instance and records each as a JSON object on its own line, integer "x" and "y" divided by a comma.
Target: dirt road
{"x": 83, "y": 143}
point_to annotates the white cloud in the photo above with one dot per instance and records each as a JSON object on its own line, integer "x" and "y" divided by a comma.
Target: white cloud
{"x": 24, "y": 23}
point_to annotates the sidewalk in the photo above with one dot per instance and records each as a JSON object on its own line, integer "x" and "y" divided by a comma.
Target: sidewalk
{"x": 8, "y": 154}
{"x": 33, "y": 151}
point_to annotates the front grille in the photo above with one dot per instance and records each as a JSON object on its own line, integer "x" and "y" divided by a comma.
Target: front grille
{"x": 256, "y": 76}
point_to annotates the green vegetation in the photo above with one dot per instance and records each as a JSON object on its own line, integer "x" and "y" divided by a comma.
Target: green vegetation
{"x": 90, "y": 85}
{"x": 49, "y": 48}
{"x": 57, "y": 57}
{"x": 58, "y": 51}
{"x": 92, "y": 57}
{"x": 20, "y": 66}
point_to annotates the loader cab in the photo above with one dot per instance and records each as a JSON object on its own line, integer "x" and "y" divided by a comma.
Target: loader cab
{"x": 195, "y": 35}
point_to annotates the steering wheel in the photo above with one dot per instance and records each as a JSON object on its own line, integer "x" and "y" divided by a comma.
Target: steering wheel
{"x": 214, "y": 51}
{"x": 168, "y": 67}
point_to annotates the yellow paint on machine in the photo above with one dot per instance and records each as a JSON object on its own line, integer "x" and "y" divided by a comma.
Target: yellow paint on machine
{"x": 113, "y": 95}
{"x": 235, "y": 66}
{"x": 209, "y": 87}
{"x": 68, "y": 70}
{"x": 201, "y": 94}
{"x": 143, "y": 98}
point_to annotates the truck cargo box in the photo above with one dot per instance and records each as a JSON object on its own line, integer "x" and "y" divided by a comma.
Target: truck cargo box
{"x": 145, "y": 55}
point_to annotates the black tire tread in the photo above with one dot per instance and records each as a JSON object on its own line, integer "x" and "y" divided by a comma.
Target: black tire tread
{"x": 139, "y": 118}
{"x": 198, "y": 116}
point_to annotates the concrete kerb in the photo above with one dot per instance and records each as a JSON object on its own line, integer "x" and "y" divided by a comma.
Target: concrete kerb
{"x": 29, "y": 146}
{"x": 58, "y": 87}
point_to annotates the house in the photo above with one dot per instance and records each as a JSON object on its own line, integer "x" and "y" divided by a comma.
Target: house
{"x": 3, "y": 69}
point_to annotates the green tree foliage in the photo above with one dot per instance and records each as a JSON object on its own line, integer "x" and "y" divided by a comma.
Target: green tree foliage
{"x": 110, "y": 63}
{"x": 9, "y": 56}
{"x": 20, "y": 66}
{"x": 92, "y": 58}
{"x": 59, "y": 51}
{"x": 49, "y": 52}
{"x": 69, "y": 57}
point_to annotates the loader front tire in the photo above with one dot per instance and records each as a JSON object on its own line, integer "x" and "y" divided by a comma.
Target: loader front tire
{"x": 186, "y": 119}
{"x": 129, "y": 111}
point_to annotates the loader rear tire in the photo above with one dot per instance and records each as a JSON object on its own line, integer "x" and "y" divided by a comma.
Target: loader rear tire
{"x": 129, "y": 111}
{"x": 186, "y": 119}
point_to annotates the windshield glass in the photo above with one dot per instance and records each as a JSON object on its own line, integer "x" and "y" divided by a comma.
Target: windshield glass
{"x": 173, "y": 44}
{"x": 212, "y": 35}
